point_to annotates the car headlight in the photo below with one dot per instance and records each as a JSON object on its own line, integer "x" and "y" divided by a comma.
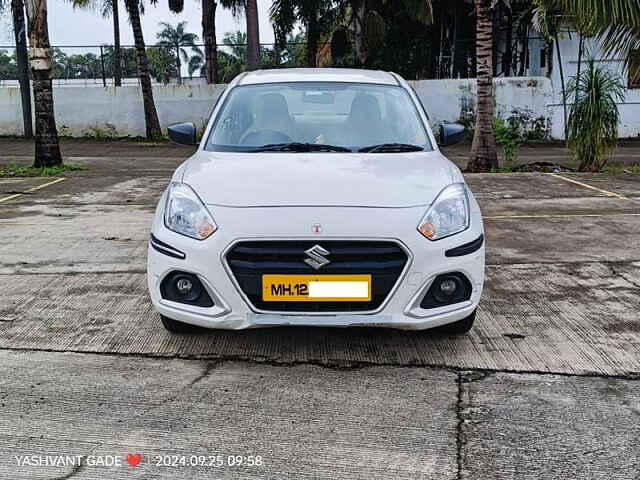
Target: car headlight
{"x": 448, "y": 215}
{"x": 185, "y": 213}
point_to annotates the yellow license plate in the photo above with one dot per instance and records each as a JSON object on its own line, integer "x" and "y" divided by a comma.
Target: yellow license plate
{"x": 316, "y": 288}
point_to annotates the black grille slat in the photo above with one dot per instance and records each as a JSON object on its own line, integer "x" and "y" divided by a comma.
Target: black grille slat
{"x": 351, "y": 265}
{"x": 296, "y": 251}
{"x": 384, "y": 260}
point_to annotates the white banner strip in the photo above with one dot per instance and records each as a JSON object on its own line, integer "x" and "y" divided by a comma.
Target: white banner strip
{"x": 339, "y": 289}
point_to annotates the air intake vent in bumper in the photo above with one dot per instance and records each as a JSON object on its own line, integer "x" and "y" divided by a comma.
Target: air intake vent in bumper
{"x": 383, "y": 260}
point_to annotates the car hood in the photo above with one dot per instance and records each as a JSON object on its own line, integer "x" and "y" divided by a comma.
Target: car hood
{"x": 319, "y": 179}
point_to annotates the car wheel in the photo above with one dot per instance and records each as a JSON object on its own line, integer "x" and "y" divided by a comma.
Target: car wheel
{"x": 461, "y": 326}
{"x": 178, "y": 327}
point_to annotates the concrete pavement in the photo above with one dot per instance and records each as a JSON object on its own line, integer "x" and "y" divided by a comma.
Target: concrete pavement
{"x": 546, "y": 385}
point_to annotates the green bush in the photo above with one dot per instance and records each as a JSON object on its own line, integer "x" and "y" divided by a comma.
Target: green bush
{"x": 508, "y": 137}
{"x": 593, "y": 121}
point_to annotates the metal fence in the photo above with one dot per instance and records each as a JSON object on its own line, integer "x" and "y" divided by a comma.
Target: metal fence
{"x": 95, "y": 64}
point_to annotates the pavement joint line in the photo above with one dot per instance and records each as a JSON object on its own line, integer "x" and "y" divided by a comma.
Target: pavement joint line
{"x": 554, "y": 262}
{"x": 459, "y": 425}
{"x": 537, "y": 198}
{"x": 217, "y": 361}
{"x": 94, "y": 272}
{"x": 607, "y": 192}
{"x": 61, "y": 219}
{"x": 33, "y": 189}
{"x": 566, "y": 215}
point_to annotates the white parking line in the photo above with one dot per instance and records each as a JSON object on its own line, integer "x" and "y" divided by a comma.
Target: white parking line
{"x": 33, "y": 189}
{"x": 606, "y": 192}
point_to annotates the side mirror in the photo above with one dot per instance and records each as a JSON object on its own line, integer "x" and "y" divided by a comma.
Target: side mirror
{"x": 183, "y": 134}
{"x": 451, "y": 134}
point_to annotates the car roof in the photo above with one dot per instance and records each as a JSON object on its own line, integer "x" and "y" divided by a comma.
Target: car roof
{"x": 349, "y": 75}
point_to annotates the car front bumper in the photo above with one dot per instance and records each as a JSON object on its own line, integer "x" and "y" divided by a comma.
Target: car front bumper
{"x": 401, "y": 309}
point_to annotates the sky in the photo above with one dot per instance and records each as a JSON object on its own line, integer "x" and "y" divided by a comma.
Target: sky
{"x": 69, "y": 26}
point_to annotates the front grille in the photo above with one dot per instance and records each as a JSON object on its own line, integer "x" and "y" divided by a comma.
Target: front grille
{"x": 384, "y": 260}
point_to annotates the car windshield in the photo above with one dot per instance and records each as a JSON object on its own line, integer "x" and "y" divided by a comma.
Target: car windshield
{"x": 318, "y": 117}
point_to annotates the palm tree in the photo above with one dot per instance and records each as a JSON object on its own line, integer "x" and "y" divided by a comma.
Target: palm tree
{"x": 134, "y": 7}
{"x": 253, "y": 34}
{"x": 293, "y": 52}
{"x": 150, "y": 113}
{"x": 616, "y": 23}
{"x": 317, "y": 16}
{"x": 196, "y": 62}
{"x": 484, "y": 155}
{"x": 47, "y": 152}
{"x": 117, "y": 68}
{"x": 208, "y": 33}
{"x": 250, "y": 9}
{"x": 548, "y": 21}
{"x": 162, "y": 63}
{"x": 22, "y": 61}
{"x": 127, "y": 61}
{"x": 108, "y": 8}
{"x": 237, "y": 42}
{"x": 230, "y": 64}
{"x": 176, "y": 37}
{"x": 209, "y": 38}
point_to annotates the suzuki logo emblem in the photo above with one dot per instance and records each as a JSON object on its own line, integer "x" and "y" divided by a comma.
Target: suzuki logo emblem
{"x": 317, "y": 257}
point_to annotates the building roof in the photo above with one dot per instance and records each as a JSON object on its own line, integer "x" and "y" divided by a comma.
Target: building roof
{"x": 318, "y": 75}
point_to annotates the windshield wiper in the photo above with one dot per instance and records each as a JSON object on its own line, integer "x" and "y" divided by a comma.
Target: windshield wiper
{"x": 299, "y": 147}
{"x": 391, "y": 148}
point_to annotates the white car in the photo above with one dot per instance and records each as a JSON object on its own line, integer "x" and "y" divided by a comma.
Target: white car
{"x": 317, "y": 197}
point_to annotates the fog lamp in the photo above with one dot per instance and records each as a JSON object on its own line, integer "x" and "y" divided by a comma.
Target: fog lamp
{"x": 184, "y": 286}
{"x": 448, "y": 286}
{"x": 447, "y": 289}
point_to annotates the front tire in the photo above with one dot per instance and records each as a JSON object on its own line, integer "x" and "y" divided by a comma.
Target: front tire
{"x": 461, "y": 326}
{"x": 175, "y": 326}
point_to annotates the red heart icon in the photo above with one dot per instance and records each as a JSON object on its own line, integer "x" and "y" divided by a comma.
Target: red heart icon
{"x": 134, "y": 460}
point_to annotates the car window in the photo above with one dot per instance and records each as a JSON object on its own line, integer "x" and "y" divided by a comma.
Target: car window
{"x": 349, "y": 115}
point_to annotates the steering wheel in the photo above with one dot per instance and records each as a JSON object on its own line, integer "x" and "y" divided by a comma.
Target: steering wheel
{"x": 265, "y": 137}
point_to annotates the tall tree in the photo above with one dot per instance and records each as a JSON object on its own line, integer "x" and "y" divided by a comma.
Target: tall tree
{"x": 209, "y": 36}
{"x": 253, "y": 35}
{"x": 616, "y": 24}
{"x": 117, "y": 67}
{"x": 47, "y": 151}
{"x": 250, "y": 9}
{"x": 317, "y": 16}
{"x": 484, "y": 156}
{"x": 22, "y": 61}
{"x": 547, "y": 19}
{"x": 108, "y": 8}
{"x": 237, "y": 43}
{"x": 150, "y": 113}
{"x": 177, "y": 38}
{"x": 162, "y": 63}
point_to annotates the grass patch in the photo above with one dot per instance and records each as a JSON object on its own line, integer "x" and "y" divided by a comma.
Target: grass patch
{"x": 13, "y": 170}
{"x": 622, "y": 169}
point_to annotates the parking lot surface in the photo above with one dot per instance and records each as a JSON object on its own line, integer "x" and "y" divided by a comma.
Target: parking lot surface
{"x": 545, "y": 386}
